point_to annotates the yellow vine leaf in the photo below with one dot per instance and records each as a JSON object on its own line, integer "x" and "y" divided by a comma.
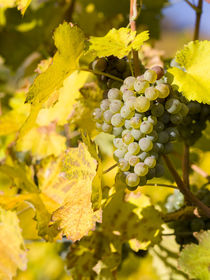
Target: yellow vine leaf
{"x": 12, "y": 250}
{"x": 117, "y": 42}
{"x": 193, "y": 78}
{"x": 76, "y": 216}
{"x": 42, "y": 142}
{"x": 69, "y": 41}
{"x": 68, "y": 95}
{"x": 23, "y": 5}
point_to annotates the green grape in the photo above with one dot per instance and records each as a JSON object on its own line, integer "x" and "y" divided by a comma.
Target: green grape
{"x": 133, "y": 148}
{"x": 142, "y": 104}
{"x": 141, "y": 169}
{"x": 173, "y": 106}
{"x": 135, "y": 122}
{"x": 121, "y": 65}
{"x": 143, "y": 155}
{"x": 150, "y": 76}
{"x": 159, "y": 170}
{"x": 105, "y": 104}
{"x": 107, "y": 128}
{"x": 119, "y": 153}
{"x": 140, "y": 86}
{"x": 173, "y": 133}
{"x": 158, "y": 147}
{"x": 151, "y": 174}
{"x": 163, "y": 137}
{"x": 124, "y": 165}
{"x": 114, "y": 93}
{"x": 115, "y": 106}
{"x": 151, "y": 93}
{"x": 146, "y": 127}
{"x": 99, "y": 64}
{"x": 153, "y": 136}
{"x": 107, "y": 116}
{"x": 129, "y": 82}
{"x": 130, "y": 102}
{"x": 165, "y": 118}
{"x": 197, "y": 225}
{"x": 145, "y": 144}
{"x": 176, "y": 119}
{"x": 125, "y": 131}
{"x": 132, "y": 180}
{"x": 127, "y": 156}
{"x": 118, "y": 143}
{"x": 127, "y": 94}
{"x": 99, "y": 126}
{"x": 159, "y": 126}
{"x": 154, "y": 155}
{"x": 137, "y": 134}
{"x": 128, "y": 138}
{"x": 168, "y": 148}
{"x": 150, "y": 162}
{"x": 143, "y": 181}
{"x": 123, "y": 88}
{"x": 117, "y": 131}
{"x": 157, "y": 109}
{"x": 126, "y": 112}
{"x": 152, "y": 120}
{"x": 194, "y": 107}
{"x": 127, "y": 124}
{"x": 184, "y": 110}
{"x": 117, "y": 120}
{"x": 133, "y": 160}
{"x": 97, "y": 114}
{"x": 164, "y": 90}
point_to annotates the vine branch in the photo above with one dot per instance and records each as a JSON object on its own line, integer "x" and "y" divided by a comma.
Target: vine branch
{"x": 190, "y": 197}
{"x": 133, "y": 17}
{"x": 101, "y": 73}
{"x": 198, "y": 20}
{"x": 186, "y": 165}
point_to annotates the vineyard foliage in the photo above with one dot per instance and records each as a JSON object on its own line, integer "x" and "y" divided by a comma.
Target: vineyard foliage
{"x": 66, "y": 209}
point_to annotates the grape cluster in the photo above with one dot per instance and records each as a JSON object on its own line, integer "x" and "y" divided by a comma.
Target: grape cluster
{"x": 142, "y": 115}
{"x": 112, "y": 65}
{"x": 185, "y": 227}
{"x": 195, "y": 121}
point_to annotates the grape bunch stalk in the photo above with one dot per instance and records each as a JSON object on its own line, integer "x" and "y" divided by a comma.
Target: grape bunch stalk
{"x": 143, "y": 116}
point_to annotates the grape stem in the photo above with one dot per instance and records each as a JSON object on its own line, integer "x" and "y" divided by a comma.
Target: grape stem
{"x": 190, "y": 197}
{"x": 162, "y": 185}
{"x": 101, "y": 73}
{"x": 133, "y": 17}
{"x": 110, "y": 168}
{"x": 186, "y": 165}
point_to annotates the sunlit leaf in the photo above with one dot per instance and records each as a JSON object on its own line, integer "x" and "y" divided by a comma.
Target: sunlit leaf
{"x": 12, "y": 250}
{"x": 42, "y": 142}
{"x": 23, "y": 5}
{"x": 117, "y": 42}
{"x": 69, "y": 41}
{"x": 193, "y": 78}
{"x": 195, "y": 259}
{"x": 75, "y": 216}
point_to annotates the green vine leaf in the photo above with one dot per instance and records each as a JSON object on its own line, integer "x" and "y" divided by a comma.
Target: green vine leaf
{"x": 195, "y": 259}
{"x": 117, "y": 42}
{"x": 193, "y": 78}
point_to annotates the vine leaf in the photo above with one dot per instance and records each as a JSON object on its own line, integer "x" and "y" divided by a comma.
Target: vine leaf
{"x": 195, "y": 259}
{"x": 23, "y": 5}
{"x": 69, "y": 41}
{"x": 75, "y": 215}
{"x": 132, "y": 219}
{"x": 193, "y": 78}
{"x": 12, "y": 250}
{"x": 117, "y": 42}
